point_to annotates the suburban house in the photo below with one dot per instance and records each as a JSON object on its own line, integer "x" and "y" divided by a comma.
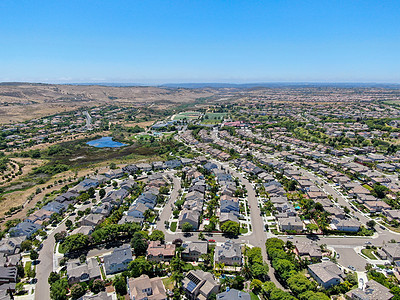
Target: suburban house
{"x": 191, "y": 217}
{"x": 349, "y": 225}
{"x": 148, "y": 199}
{"x": 291, "y": 224}
{"x": 39, "y": 216}
{"x": 99, "y": 296}
{"x": 144, "y": 167}
{"x": 392, "y": 251}
{"x": 81, "y": 272}
{"x": 24, "y": 229}
{"x": 145, "y": 288}
{"x": 193, "y": 250}
{"x": 233, "y": 294}
{"x": 11, "y": 245}
{"x": 308, "y": 250}
{"x": 225, "y": 217}
{"x": 8, "y": 275}
{"x": 372, "y": 291}
{"x": 326, "y": 273}
{"x": 55, "y": 206}
{"x": 91, "y": 220}
{"x": 392, "y": 214}
{"x": 229, "y": 253}
{"x": 137, "y": 210}
{"x": 156, "y": 251}
{"x": 199, "y": 285}
{"x": 229, "y": 204}
{"x": 118, "y": 260}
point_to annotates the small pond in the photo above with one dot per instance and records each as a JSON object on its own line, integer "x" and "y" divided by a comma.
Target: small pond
{"x": 105, "y": 142}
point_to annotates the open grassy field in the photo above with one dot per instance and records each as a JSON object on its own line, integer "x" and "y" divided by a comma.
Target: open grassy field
{"x": 213, "y": 118}
{"x": 189, "y": 115}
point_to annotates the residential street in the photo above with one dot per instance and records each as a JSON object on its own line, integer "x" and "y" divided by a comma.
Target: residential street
{"x": 46, "y": 264}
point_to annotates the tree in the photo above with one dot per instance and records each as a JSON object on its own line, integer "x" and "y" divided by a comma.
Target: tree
{"x": 310, "y": 295}
{"x": 53, "y": 277}
{"x": 98, "y": 286}
{"x": 34, "y": 255}
{"x": 75, "y": 242}
{"x": 140, "y": 266}
{"x": 68, "y": 224}
{"x": 291, "y": 185}
{"x": 139, "y": 244}
{"x": 58, "y": 290}
{"x": 177, "y": 264}
{"x": 157, "y": 235}
{"x": 186, "y": 227}
{"x": 230, "y": 228}
{"x": 148, "y": 213}
{"x": 77, "y": 291}
{"x": 102, "y": 193}
{"x": 379, "y": 190}
{"x": 26, "y": 245}
{"x": 256, "y": 285}
{"x": 260, "y": 271}
{"x": 120, "y": 285}
{"x": 91, "y": 192}
{"x": 298, "y": 284}
{"x": 60, "y": 236}
{"x": 113, "y": 166}
{"x": 238, "y": 282}
{"x": 371, "y": 223}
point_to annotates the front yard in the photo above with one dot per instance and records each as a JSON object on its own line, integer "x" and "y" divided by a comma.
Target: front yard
{"x": 368, "y": 253}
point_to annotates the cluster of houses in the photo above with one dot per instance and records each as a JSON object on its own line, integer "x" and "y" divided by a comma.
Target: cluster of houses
{"x": 196, "y": 283}
{"x": 229, "y": 209}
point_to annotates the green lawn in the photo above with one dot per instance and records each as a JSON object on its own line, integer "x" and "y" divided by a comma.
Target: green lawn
{"x": 367, "y": 187}
{"x": 213, "y": 118}
{"x": 28, "y": 266}
{"x": 187, "y": 115}
{"x": 173, "y": 226}
{"x": 168, "y": 283}
{"x": 253, "y": 296}
{"x": 368, "y": 253}
{"x": 243, "y": 230}
{"x": 103, "y": 274}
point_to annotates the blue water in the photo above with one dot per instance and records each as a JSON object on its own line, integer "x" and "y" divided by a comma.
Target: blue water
{"x": 105, "y": 142}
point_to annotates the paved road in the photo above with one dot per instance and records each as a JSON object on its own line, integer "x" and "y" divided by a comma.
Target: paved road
{"x": 167, "y": 210}
{"x": 45, "y": 266}
{"x": 258, "y": 237}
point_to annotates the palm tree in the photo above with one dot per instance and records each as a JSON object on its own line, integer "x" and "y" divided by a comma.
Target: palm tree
{"x": 246, "y": 271}
{"x": 177, "y": 277}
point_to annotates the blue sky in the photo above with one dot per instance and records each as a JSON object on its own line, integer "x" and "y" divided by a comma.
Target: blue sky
{"x": 200, "y": 41}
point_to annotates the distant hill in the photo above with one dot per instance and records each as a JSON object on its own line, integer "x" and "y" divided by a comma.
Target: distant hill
{"x": 279, "y": 84}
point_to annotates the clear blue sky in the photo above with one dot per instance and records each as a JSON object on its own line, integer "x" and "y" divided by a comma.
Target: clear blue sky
{"x": 199, "y": 41}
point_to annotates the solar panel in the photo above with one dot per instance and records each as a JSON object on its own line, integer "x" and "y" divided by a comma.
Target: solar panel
{"x": 193, "y": 278}
{"x": 191, "y": 286}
